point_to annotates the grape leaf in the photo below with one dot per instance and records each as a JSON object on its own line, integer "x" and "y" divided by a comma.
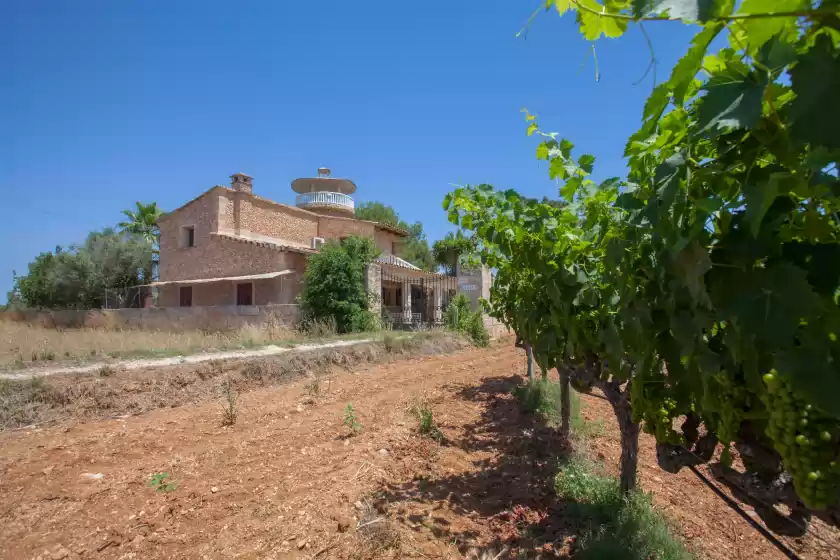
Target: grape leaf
{"x": 776, "y": 54}
{"x": 592, "y": 25}
{"x": 760, "y": 197}
{"x": 562, "y": 6}
{"x": 731, "y": 104}
{"x": 586, "y": 162}
{"x": 770, "y": 303}
{"x": 816, "y": 110}
{"x": 758, "y": 31}
{"x": 693, "y": 263}
{"x": 688, "y": 66}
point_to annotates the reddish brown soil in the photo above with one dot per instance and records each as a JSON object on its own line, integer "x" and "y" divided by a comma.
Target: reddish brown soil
{"x": 285, "y": 482}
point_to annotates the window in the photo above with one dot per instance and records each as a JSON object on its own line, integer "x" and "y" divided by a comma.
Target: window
{"x": 186, "y": 296}
{"x": 188, "y": 236}
{"x": 245, "y": 294}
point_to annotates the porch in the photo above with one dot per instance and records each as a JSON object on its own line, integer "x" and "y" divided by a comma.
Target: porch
{"x": 413, "y": 297}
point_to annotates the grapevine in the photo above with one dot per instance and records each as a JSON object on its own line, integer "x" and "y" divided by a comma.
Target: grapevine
{"x": 715, "y": 260}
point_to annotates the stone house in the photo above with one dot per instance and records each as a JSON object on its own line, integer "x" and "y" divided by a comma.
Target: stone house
{"x": 229, "y": 246}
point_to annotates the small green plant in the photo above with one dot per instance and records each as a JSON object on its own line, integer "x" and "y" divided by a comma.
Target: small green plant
{"x": 421, "y": 409}
{"x": 106, "y": 371}
{"x": 428, "y": 427}
{"x": 229, "y": 412}
{"x": 162, "y": 482}
{"x": 351, "y": 420}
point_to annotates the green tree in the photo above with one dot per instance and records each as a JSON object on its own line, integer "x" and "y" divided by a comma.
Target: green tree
{"x": 452, "y": 249}
{"x": 378, "y": 212}
{"x": 79, "y": 276}
{"x": 334, "y": 285}
{"x": 415, "y": 248}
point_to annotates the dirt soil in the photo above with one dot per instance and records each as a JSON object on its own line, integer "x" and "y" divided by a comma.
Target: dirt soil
{"x": 285, "y": 481}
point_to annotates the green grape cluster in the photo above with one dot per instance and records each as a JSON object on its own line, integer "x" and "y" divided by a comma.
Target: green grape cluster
{"x": 807, "y": 441}
{"x": 656, "y": 409}
{"x": 728, "y": 403}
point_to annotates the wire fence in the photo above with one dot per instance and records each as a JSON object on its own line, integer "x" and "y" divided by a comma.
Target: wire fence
{"x": 136, "y": 297}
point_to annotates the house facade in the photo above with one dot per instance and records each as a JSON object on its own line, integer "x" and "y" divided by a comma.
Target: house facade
{"x": 229, "y": 246}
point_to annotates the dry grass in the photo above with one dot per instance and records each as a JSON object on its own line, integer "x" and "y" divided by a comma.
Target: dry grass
{"x": 23, "y": 345}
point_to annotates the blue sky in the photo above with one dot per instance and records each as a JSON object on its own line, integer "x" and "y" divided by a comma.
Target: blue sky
{"x": 104, "y": 103}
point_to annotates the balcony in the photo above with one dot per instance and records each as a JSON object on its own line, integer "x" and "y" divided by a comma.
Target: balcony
{"x": 325, "y": 200}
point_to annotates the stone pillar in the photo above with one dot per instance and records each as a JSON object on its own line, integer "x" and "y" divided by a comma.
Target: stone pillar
{"x": 406, "y": 302}
{"x": 373, "y": 287}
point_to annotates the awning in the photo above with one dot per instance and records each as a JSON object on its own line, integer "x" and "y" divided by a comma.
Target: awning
{"x": 263, "y": 276}
{"x": 396, "y": 261}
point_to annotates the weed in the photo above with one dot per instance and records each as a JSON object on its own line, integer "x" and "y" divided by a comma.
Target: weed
{"x": 319, "y": 328}
{"x": 619, "y": 526}
{"x": 229, "y": 412}
{"x": 313, "y": 388}
{"x": 428, "y": 427}
{"x": 376, "y": 533}
{"x": 162, "y": 482}
{"x": 106, "y": 371}
{"x": 351, "y": 420}
{"x": 393, "y": 341}
{"x": 421, "y": 408}
{"x": 210, "y": 369}
{"x": 21, "y": 402}
{"x": 254, "y": 369}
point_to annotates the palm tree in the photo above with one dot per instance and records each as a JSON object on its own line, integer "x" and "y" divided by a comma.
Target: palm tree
{"x": 143, "y": 222}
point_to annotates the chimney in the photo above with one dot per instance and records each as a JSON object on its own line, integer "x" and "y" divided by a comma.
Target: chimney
{"x": 241, "y": 182}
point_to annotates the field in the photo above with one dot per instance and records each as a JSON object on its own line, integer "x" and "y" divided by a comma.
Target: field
{"x": 290, "y": 477}
{"x": 23, "y": 345}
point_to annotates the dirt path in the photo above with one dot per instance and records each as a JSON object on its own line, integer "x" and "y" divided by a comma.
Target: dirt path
{"x": 265, "y": 351}
{"x": 283, "y": 482}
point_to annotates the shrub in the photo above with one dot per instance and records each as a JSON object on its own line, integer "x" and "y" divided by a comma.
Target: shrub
{"x": 477, "y": 332}
{"x": 334, "y": 285}
{"x": 461, "y": 318}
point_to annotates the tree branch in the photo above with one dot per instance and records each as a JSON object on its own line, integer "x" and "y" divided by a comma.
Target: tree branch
{"x": 734, "y": 17}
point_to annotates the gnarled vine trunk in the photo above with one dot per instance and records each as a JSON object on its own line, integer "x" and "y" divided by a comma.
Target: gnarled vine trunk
{"x": 565, "y": 403}
{"x": 529, "y": 351}
{"x": 620, "y": 401}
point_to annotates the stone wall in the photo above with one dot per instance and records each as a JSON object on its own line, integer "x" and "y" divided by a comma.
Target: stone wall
{"x": 279, "y": 221}
{"x": 217, "y": 256}
{"x": 386, "y": 241}
{"x": 373, "y": 286}
{"x": 175, "y": 260}
{"x": 216, "y": 318}
{"x": 335, "y": 228}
